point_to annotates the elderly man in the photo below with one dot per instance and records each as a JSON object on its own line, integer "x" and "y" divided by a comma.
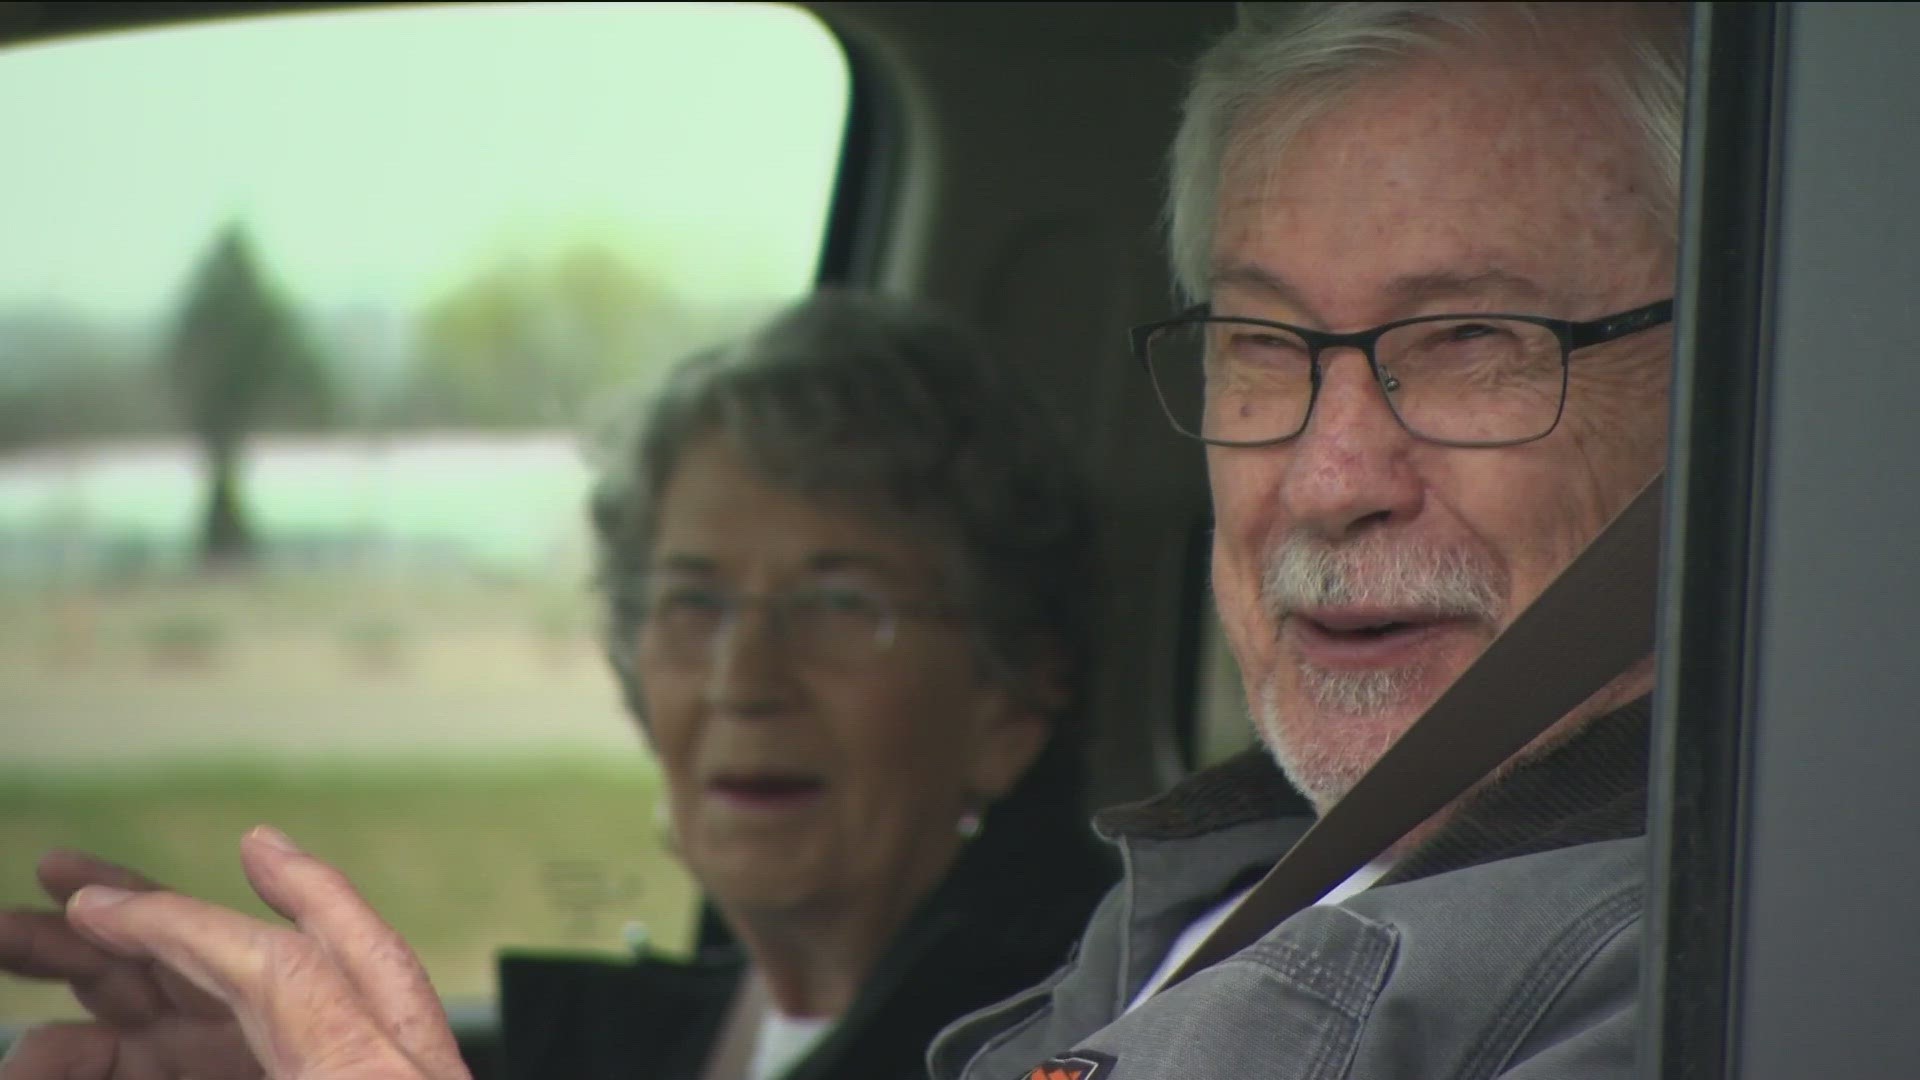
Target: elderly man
{"x": 1432, "y": 250}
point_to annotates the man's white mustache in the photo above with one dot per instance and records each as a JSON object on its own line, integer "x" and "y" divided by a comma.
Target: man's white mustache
{"x": 1304, "y": 573}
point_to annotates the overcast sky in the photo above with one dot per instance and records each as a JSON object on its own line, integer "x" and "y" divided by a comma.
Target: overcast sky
{"x": 380, "y": 155}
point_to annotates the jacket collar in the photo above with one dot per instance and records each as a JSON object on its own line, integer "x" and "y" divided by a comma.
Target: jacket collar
{"x": 1244, "y": 788}
{"x": 1591, "y": 787}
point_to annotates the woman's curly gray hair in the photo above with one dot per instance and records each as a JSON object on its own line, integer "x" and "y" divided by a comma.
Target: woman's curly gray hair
{"x": 880, "y": 407}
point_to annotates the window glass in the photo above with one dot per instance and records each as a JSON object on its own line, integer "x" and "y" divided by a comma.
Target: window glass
{"x": 301, "y": 319}
{"x": 1224, "y": 726}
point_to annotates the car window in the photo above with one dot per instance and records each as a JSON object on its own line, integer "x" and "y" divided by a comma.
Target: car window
{"x": 301, "y": 321}
{"x": 1223, "y": 727}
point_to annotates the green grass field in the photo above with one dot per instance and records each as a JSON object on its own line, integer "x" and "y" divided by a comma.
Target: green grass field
{"x": 463, "y": 859}
{"x": 154, "y": 717}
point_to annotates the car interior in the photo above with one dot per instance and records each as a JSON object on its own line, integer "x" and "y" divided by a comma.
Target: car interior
{"x": 1007, "y": 161}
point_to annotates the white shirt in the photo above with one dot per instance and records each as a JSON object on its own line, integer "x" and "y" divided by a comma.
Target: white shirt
{"x": 782, "y": 1041}
{"x": 1197, "y": 931}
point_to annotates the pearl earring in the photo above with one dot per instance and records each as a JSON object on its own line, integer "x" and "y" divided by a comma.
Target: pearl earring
{"x": 969, "y": 824}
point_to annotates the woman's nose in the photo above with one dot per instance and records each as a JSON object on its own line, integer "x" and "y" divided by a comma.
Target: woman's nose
{"x": 748, "y": 670}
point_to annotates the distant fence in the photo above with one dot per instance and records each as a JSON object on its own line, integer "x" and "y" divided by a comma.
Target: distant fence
{"x": 126, "y": 555}
{"x": 429, "y": 501}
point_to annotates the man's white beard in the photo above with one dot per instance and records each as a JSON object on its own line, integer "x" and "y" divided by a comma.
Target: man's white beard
{"x": 1322, "y": 773}
{"x": 1360, "y": 693}
{"x": 1304, "y": 573}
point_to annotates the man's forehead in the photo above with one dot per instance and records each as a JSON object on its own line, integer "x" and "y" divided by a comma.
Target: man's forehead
{"x": 1411, "y": 288}
{"x": 1426, "y": 189}
{"x": 1341, "y": 278}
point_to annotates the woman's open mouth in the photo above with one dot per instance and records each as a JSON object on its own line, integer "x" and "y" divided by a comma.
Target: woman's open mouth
{"x": 766, "y": 790}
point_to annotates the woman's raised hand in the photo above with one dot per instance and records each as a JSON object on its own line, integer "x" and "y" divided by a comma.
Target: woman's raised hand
{"x": 181, "y": 988}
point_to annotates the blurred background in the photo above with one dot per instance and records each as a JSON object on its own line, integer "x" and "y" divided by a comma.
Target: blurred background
{"x": 303, "y": 324}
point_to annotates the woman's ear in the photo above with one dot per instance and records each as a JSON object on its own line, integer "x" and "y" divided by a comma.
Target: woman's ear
{"x": 1048, "y": 683}
{"x": 1007, "y": 742}
{"x": 1018, "y": 720}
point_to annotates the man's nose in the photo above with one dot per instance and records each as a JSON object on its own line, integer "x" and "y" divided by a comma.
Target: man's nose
{"x": 1348, "y": 471}
{"x": 749, "y": 673}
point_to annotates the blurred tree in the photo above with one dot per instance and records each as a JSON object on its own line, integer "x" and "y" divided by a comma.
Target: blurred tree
{"x": 238, "y": 359}
{"x": 528, "y": 340}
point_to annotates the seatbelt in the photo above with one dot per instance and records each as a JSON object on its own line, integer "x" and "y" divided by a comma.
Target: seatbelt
{"x": 1590, "y": 624}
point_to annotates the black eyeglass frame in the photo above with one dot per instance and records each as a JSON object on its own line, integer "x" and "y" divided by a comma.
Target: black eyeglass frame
{"x": 1572, "y": 336}
{"x": 632, "y": 616}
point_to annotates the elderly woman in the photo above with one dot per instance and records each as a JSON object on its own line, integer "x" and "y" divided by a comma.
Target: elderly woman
{"x": 841, "y": 569}
{"x": 839, "y": 559}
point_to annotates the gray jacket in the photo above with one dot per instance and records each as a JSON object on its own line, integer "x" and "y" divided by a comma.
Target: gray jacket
{"x": 1506, "y": 946}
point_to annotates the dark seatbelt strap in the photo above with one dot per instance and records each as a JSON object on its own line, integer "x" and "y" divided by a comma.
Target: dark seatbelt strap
{"x": 1590, "y": 624}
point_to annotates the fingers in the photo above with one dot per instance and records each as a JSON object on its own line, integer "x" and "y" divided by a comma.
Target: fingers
{"x": 42, "y": 945}
{"x": 297, "y": 1011}
{"x": 170, "y": 1049}
{"x": 342, "y": 995}
{"x": 123, "y": 990}
{"x": 63, "y": 873}
{"x": 63, "y": 1052}
{"x": 372, "y": 955}
{"x": 221, "y": 952}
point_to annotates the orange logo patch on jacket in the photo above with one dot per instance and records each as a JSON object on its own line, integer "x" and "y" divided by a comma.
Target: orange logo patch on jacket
{"x": 1079, "y": 1065}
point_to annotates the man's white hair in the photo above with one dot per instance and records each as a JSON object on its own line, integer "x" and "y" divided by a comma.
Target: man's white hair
{"x": 1311, "y": 54}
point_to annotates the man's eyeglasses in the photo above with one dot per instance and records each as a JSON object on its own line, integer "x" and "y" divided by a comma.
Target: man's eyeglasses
{"x": 1459, "y": 380}
{"x": 681, "y": 618}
